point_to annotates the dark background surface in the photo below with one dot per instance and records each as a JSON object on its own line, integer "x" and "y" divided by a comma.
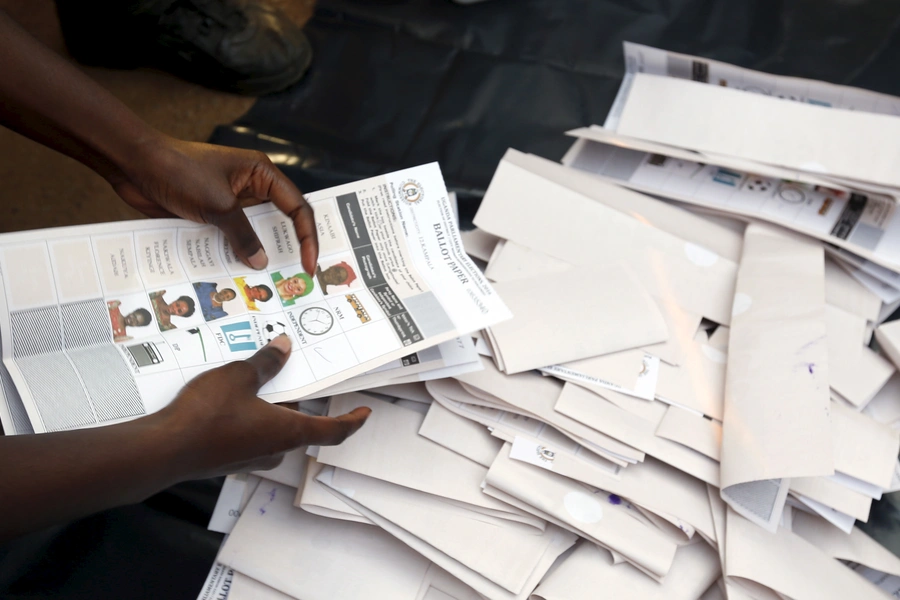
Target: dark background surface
{"x": 396, "y": 84}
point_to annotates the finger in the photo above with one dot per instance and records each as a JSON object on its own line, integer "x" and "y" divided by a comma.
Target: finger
{"x": 247, "y": 247}
{"x": 285, "y": 195}
{"x": 330, "y": 431}
{"x": 269, "y": 361}
{"x": 305, "y": 226}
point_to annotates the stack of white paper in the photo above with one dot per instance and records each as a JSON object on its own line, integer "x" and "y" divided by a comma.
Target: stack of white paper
{"x": 673, "y": 404}
{"x": 675, "y": 377}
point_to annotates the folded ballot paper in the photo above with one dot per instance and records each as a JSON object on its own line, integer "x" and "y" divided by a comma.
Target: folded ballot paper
{"x": 104, "y": 323}
{"x": 696, "y": 396}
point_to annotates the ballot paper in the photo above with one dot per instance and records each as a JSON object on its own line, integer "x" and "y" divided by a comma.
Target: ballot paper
{"x": 590, "y": 568}
{"x": 528, "y": 341}
{"x": 509, "y": 423}
{"x": 777, "y": 423}
{"x": 389, "y": 448}
{"x": 559, "y": 542}
{"x": 645, "y": 59}
{"x": 281, "y": 546}
{"x": 233, "y": 497}
{"x": 885, "y": 406}
{"x": 697, "y": 385}
{"x": 13, "y": 416}
{"x": 887, "y": 276}
{"x": 90, "y": 320}
{"x": 857, "y": 547}
{"x": 478, "y": 244}
{"x": 788, "y": 564}
{"x": 700, "y": 230}
{"x": 855, "y": 372}
{"x": 695, "y": 278}
{"x": 837, "y": 142}
{"x": 888, "y": 337}
{"x": 513, "y": 262}
{"x": 447, "y": 359}
{"x": 844, "y": 292}
{"x": 218, "y": 583}
{"x": 731, "y": 372}
{"x": 590, "y": 409}
{"x": 537, "y": 396}
{"x": 863, "y": 448}
{"x": 315, "y": 498}
{"x": 465, "y": 437}
{"x": 594, "y": 513}
{"x": 507, "y": 552}
{"x": 861, "y": 222}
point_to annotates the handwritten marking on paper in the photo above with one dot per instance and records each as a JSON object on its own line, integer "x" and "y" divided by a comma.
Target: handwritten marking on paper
{"x": 322, "y": 355}
{"x": 808, "y": 345}
{"x": 613, "y": 499}
{"x": 805, "y": 367}
{"x": 271, "y": 494}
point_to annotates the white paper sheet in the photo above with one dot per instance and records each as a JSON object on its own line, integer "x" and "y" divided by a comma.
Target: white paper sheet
{"x": 67, "y": 294}
{"x": 695, "y": 278}
{"x": 776, "y": 424}
{"x": 549, "y": 329}
{"x": 282, "y": 547}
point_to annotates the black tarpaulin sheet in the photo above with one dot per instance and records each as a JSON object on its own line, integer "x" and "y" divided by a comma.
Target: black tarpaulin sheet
{"x": 396, "y": 84}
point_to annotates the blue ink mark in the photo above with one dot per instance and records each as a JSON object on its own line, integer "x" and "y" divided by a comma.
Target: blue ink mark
{"x": 613, "y": 499}
{"x": 811, "y": 367}
{"x": 272, "y": 492}
{"x": 808, "y": 345}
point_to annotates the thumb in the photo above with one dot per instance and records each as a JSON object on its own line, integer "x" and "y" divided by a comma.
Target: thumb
{"x": 236, "y": 227}
{"x": 269, "y": 361}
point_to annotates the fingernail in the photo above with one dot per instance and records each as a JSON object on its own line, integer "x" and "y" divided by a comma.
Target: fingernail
{"x": 281, "y": 343}
{"x": 259, "y": 260}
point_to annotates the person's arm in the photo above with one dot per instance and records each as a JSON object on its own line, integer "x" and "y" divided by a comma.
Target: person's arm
{"x": 48, "y": 99}
{"x": 216, "y": 425}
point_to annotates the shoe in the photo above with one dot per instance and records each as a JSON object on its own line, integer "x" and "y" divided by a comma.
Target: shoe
{"x": 241, "y": 46}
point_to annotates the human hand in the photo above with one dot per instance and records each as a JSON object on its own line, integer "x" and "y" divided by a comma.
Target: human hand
{"x": 211, "y": 184}
{"x": 221, "y": 426}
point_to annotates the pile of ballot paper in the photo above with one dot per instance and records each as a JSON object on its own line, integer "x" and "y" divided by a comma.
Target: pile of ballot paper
{"x": 687, "y": 402}
{"x": 662, "y": 368}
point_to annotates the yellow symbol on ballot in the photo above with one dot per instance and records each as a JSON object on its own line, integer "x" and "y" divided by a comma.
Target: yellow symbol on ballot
{"x": 361, "y": 313}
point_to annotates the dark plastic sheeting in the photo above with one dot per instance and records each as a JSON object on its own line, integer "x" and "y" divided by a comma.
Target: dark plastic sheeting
{"x": 399, "y": 84}
{"x": 396, "y": 84}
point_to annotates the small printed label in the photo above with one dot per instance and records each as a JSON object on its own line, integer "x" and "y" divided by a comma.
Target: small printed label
{"x": 644, "y": 387}
{"x": 533, "y": 453}
{"x": 228, "y": 506}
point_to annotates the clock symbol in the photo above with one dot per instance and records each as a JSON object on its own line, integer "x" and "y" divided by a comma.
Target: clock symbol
{"x": 791, "y": 194}
{"x": 316, "y": 320}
